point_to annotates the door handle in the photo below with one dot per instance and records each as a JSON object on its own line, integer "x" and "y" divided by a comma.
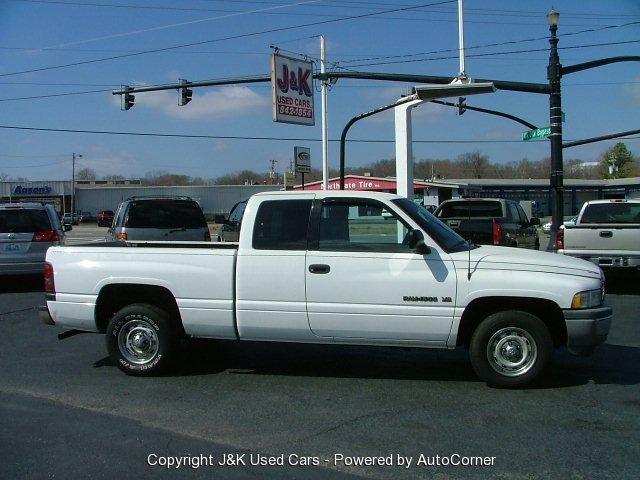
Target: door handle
{"x": 606, "y": 234}
{"x": 319, "y": 268}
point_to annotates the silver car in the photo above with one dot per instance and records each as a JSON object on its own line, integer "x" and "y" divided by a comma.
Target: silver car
{"x": 160, "y": 219}
{"x": 26, "y": 231}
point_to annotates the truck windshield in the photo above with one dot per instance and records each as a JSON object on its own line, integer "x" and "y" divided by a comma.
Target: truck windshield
{"x": 449, "y": 240}
{"x": 614, "y": 212}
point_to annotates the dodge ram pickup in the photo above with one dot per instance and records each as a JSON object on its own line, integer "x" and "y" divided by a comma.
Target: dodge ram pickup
{"x": 331, "y": 267}
{"x": 606, "y": 232}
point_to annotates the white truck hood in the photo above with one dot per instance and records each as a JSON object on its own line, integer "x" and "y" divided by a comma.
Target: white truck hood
{"x": 509, "y": 258}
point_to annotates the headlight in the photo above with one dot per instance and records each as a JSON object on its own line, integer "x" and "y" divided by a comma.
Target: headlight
{"x": 588, "y": 299}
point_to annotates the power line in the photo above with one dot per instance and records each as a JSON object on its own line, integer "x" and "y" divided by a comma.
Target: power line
{"x": 221, "y": 39}
{"x": 486, "y": 45}
{"x": 32, "y": 156}
{"x": 300, "y": 14}
{"x": 65, "y": 94}
{"x": 240, "y": 137}
{"x": 33, "y": 166}
{"x": 414, "y": 60}
{"x": 180, "y": 24}
{"x": 34, "y": 97}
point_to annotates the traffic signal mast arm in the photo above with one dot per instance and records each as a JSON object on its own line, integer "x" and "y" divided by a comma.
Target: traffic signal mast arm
{"x": 389, "y": 77}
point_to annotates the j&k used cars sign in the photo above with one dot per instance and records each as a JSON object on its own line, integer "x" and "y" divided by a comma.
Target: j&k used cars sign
{"x": 292, "y": 87}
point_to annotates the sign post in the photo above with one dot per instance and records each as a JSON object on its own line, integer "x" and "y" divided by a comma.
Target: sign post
{"x": 292, "y": 90}
{"x": 302, "y": 159}
{"x": 536, "y": 134}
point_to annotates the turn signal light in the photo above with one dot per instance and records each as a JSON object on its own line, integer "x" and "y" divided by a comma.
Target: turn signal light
{"x": 560, "y": 239}
{"x": 49, "y": 284}
{"x": 122, "y": 236}
{"x": 497, "y": 232}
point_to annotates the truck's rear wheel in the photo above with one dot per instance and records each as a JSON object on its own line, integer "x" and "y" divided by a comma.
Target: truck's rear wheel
{"x": 510, "y": 348}
{"x": 141, "y": 339}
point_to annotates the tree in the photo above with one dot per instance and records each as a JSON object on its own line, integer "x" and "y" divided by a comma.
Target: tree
{"x": 617, "y": 162}
{"x": 3, "y": 177}
{"x": 86, "y": 174}
{"x": 113, "y": 177}
{"x": 475, "y": 164}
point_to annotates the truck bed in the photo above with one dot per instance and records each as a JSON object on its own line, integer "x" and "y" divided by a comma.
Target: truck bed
{"x": 199, "y": 274}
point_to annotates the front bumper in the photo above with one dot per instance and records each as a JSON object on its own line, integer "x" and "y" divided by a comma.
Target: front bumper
{"x": 588, "y": 327}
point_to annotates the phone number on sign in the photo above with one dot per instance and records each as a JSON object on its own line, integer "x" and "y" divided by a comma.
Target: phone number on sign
{"x": 295, "y": 111}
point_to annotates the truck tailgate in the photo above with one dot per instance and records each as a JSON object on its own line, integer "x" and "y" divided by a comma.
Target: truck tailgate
{"x": 609, "y": 239}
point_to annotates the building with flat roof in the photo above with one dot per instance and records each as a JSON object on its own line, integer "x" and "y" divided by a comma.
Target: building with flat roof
{"x": 214, "y": 199}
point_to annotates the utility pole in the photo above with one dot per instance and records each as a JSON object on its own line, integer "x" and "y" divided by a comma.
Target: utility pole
{"x": 272, "y": 169}
{"x": 461, "y": 39}
{"x": 554, "y": 74}
{"x": 73, "y": 184}
{"x": 325, "y": 121}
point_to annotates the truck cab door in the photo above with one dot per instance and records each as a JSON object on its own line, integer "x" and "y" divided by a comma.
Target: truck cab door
{"x": 363, "y": 281}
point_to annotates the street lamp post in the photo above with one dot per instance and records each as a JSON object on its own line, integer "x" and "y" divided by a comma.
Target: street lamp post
{"x": 73, "y": 184}
{"x": 554, "y": 74}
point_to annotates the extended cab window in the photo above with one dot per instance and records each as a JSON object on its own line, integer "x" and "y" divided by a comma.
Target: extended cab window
{"x": 470, "y": 208}
{"x": 354, "y": 225}
{"x": 282, "y": 225}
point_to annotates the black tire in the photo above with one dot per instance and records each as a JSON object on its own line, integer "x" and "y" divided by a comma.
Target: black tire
{"x": 142, "y": 339}
{"x": 510, "y": 348}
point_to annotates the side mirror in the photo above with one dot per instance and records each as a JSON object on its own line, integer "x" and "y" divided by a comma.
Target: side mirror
{"x": 67, "y": 227}
{"x": 219, "y": 219}
{"x": 535, "y": 221}
{"x": 416, "y": 242}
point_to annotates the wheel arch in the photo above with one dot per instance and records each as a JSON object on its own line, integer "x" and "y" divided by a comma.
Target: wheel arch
{"x": 480, "y": 308}
{"x": 115, "y": 296}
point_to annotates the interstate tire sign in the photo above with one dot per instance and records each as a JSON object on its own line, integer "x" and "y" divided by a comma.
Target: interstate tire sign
{"x": 292, "y": 88}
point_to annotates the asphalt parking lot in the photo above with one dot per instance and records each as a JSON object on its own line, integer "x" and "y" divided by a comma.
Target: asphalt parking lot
{"x": 67, "y": 412}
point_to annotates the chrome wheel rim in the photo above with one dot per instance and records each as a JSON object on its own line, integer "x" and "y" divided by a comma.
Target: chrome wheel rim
{"x": 512, "y": 351}
{"x": 138, "y": 342}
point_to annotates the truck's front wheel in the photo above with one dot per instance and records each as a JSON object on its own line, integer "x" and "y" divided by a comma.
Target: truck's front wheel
{"x": 141, "y": 339}
{"x": 510, "y": 348}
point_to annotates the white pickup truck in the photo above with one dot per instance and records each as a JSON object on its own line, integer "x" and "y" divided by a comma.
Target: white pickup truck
{"x": 332, "y": 267}
{"x": 606, "y": 232}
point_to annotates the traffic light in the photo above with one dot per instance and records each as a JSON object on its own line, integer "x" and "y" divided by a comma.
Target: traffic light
{"x": 462, "y": 107}
{"x": 128, "y": 99}
{"x": 185, "y": 93}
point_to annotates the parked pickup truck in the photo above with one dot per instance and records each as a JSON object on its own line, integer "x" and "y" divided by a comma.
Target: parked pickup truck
{"x": 607, "y": 233}
{"x": 331, "y": 267}
{"x": 490, "y": 221}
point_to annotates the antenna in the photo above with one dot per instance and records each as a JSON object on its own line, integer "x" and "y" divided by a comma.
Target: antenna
{"x": 469, "y": 244}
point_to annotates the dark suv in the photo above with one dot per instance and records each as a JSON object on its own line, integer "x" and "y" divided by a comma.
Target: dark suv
{"x": 161, "y": 219}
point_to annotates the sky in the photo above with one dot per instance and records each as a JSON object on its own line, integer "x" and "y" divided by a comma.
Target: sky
{"x": 48, "y": 35}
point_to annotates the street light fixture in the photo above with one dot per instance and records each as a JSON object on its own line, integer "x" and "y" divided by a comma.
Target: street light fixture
{"x": 431, "y": 92}
{"x": 552, "y": 17}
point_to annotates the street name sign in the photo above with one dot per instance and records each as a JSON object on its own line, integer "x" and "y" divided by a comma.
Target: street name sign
{"x": 537, "y": 133}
